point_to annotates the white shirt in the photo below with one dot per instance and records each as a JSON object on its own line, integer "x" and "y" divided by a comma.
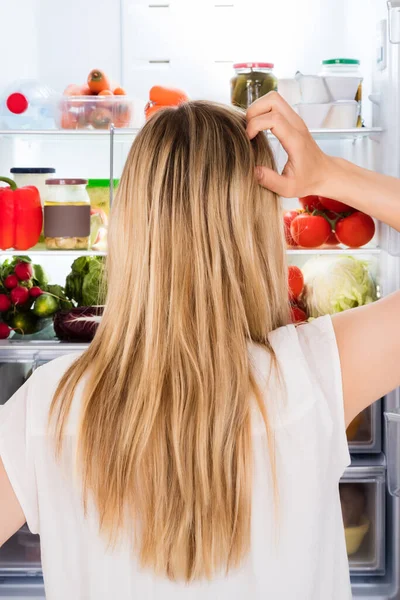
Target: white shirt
{"x": 297, "y": 551}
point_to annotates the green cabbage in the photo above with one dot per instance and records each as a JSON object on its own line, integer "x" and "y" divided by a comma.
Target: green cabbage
{"x": 84, "y": 282}
{"x": 336, "y": 283}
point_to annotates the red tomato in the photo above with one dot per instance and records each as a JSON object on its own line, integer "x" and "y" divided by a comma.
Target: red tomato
{"x": 311, "y": 203}
{"x": 355, "y": 230}
{"x": 296, "y": 282}
{"x": 297, "y": 314}
{"x": 332, "y": 240}
{"x": 287, "y": 220}
{"x": 310, "y": 231}
{"x": 334, "y": 205}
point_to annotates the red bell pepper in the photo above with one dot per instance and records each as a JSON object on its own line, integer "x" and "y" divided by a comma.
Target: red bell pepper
{"x": 21, "y": 216}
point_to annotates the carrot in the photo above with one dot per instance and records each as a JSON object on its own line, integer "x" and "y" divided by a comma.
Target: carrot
{"x": 98, "y": 81}
{"x": 85, "y": 90}
{"x": 119, "y": 91}
{"x": 73, "y": 90}
{"x": 151, "y": 109}
{"x": 105, "y": 93}
{"x": 167, "y": 96}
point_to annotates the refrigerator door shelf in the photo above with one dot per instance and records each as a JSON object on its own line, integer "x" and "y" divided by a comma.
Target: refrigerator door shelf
{"x": 363, "y": 506}
{"x": 365, "y": 435}
{"x": 392, "y": 424}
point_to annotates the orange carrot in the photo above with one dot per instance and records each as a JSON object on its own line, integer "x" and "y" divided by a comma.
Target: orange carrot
{"x": 151, "y": 109}
{"x": 85, "y": 90}
{"x": 73, "y": 90}
{"x": 167, "y": 96}
{"x": 98, "y": 81}
{"x": 119, "y": 91}
{"x": 105, "y": 93}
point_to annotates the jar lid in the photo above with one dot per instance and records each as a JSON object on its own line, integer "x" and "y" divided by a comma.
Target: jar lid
{"x": 32, "y": 170}
{"x": 66, "y": 181}
{"x": 254, "y": 65}
{"x": 103, "y": 183}
{"x": 341, "y": 61}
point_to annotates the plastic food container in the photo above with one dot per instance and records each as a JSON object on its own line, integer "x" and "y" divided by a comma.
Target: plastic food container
{"x": 289, "y": 89}
{"x": 32, "y": 176}
{"x": 344, "y": 80}
{"x": 314, "y": 115}
{"x": 95, "y": 112}
{"x": 355, "y": 535}
{"x": 252, "y": 80}
{"x": 28, "y": 104}
{"x": 313, "y": 89}
{"x": 342, "y": 115}
{"x": 99, "y": 193}
{"x": 66, "y": 214}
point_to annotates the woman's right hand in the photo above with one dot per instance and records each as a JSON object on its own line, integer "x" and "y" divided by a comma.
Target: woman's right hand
{"x": 307, "y": 167}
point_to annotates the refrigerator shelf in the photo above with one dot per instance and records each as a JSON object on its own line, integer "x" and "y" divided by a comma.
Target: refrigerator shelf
{"x": 36, "y": 351}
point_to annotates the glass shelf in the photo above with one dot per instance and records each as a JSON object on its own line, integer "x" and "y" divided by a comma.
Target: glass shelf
{"x": 44, "y": 252}
{"x": 346, "y": 251}
{"x": 125, "y": 135}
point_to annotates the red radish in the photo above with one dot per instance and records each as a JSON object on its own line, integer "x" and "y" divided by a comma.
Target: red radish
{"x": 23, "y": 271}
{"x": 4, "y": 331}
{"x": 11, "y": 282}
{"x": 19, "y": 295}
{"x": 35, "y": 292}
{"x": 4, "y": 303}
{"x": 298, "y": 315}
{"x": 296, "y": 281}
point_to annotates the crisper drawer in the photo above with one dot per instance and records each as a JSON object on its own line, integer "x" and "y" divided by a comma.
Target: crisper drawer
{"x": 364, "y": 433}
{"x": 362, "y": 496}
{"x": 20, "y": 555}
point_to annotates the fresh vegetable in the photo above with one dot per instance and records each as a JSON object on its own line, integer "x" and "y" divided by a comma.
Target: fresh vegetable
{"x": 101, "y": 118}
{"x": 151, "y": 109}
{"x": 24, "y": 271}
{"x": 105, "y": 93}
{"x": 311, "y": 203}
{"x": 19, "y": 295}
{"x": 11, "y": 281}
{"x": 83, "y": 284}
{"x": 332, "y": 239}
{"x": 310, "y": 231}
{"x": 35, "y": 292}
{"x": 5, "y": 331}
{"x": 356, "y": 230}
{"x": 287, "y": 221}
{"x": 45, "y": 305}
{"x": 5, "y": 303}
{"x": 333, "y": 284}
{"x": 21, "y": 216}
{"x": 297, "y": 314}
{"x": 334, "y": 205}
{"x": 119, "y": 91}
{"x": 163, "y": 96}
{"x": 296, "y": 281}
{"x": 59, "y": 293}
{"x": 98, "y": 81}
{"x": 25, "y": 323}
{"x": 79, "y": 324}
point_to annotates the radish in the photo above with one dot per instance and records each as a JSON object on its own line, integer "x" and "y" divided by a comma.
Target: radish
{"x": 23, "y": 271}
{"x": 4, "y": 303}
{"x": 4, "y": 331}
{"x": 35, "y": 292}
{"x": 19, "y": 295}
{"x": 11, "y": 282}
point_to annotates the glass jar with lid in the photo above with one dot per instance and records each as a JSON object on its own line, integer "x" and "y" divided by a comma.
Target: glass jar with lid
{"x": 344, "y": 81}
{"x": 252, "y": 80}
{"x": 66, "y": 214}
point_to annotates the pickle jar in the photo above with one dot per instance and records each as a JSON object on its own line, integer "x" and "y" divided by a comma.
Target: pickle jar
{"x": 66, "y": 214}
{"x": 251, "y": 81}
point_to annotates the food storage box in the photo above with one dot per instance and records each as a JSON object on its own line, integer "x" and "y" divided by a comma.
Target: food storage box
{"x": 342, "y": 115}
{"x": 362, "y": 496}
{"x": 364, "y": 432}
{"x": 313, "y": 115}
{"x": 94, "y": 112}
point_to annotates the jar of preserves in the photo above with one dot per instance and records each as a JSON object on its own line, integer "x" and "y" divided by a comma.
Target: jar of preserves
{"x": 66, "y": 214}
{"x": 252, "y": 80}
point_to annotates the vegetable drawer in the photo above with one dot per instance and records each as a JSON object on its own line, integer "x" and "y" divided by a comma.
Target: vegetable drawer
{"x": 362, "y": 496}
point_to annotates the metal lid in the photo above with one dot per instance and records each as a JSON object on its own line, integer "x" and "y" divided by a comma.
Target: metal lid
{"x": 66, "y": 181}
{"x": 253, "y": 65}
{"x": 341, "y": 61}
{"x": 32, "y": 170}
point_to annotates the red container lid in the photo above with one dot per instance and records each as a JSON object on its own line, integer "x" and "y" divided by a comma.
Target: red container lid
{"x": 254, "y": 65}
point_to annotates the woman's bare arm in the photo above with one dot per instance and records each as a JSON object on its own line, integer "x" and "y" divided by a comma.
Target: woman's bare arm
{"x": 368, "y": 337}
{"x": 11, "y": 515}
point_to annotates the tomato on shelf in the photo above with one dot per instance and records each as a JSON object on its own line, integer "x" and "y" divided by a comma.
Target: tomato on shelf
{"x": 297, "y": 314}
{"x": 355, "y": 230}
{"x": 310, "y": 231}
{"x": 334, "y": 205}
{"x": 288, "y": 217}
{"x": 311, "y": 203}
{"x": 296, "y": 282}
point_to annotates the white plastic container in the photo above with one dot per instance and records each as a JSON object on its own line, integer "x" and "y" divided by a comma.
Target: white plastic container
{"x": 33, "y": 176}
{"x": 314, "y": 115}
{"x": 28, "y": 104}
{"x": 313, "y": 89}
{"x": 289, "y": 89}
{"x": 342, "y": 115}
{"x": 343, "y": 80}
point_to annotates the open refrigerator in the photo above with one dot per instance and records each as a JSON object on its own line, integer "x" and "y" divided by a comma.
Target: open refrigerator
{"x": 375, "y": 448}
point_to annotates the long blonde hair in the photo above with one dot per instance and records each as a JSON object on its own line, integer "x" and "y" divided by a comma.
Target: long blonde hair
{"x": 196, "y": 270}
